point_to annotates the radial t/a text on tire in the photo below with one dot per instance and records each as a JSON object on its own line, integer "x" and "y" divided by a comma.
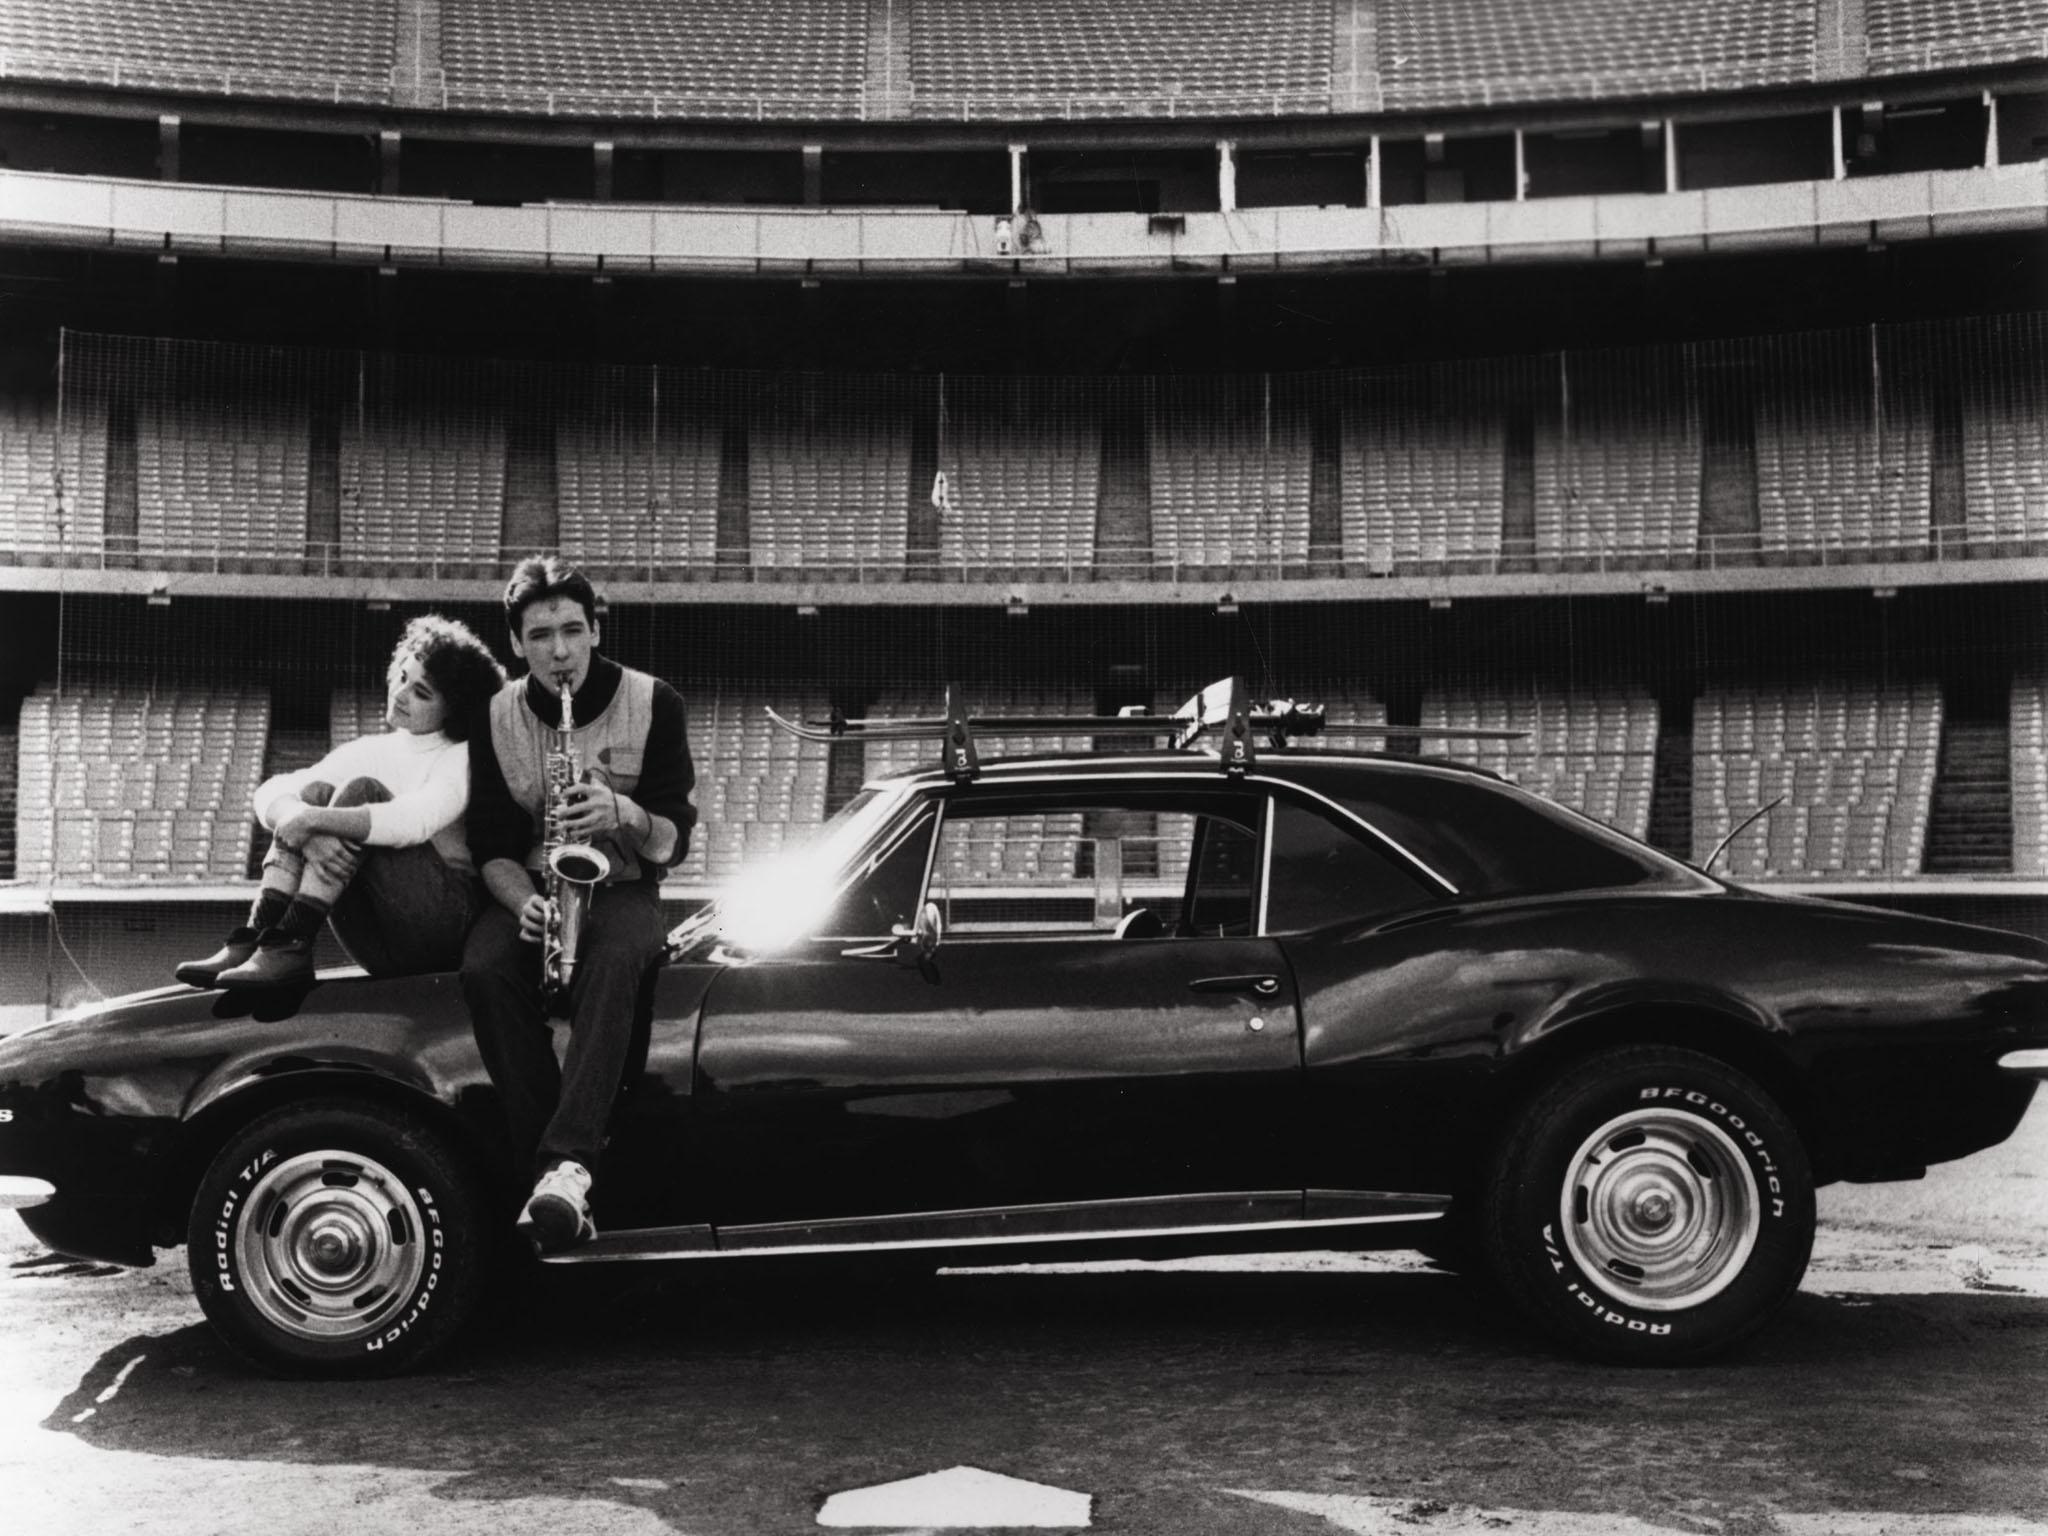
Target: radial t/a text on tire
{"x": 1651, "y": 1206}
{"x": 336, "y": 1238}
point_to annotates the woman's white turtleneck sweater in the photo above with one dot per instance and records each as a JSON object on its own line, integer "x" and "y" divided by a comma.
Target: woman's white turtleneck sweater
{"x": 428, "y": 776}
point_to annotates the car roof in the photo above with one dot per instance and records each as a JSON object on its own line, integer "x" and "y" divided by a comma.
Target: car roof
{"x": 1196, "y": 767}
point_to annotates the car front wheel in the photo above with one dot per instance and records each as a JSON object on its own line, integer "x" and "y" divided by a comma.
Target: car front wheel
{"x": 1652, "y": 1206}
{"x": 336, "y": 1238}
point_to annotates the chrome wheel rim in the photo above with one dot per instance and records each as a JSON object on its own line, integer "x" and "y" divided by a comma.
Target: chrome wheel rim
{"x": 1659, "y": 1209}
{"x": 331, "y": 1246}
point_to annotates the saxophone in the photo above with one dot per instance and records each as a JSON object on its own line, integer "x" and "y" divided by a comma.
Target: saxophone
{"x": 571, "y": 870}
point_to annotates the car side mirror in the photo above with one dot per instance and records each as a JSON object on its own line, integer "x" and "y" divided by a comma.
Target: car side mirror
{"x": 916, "y": 944}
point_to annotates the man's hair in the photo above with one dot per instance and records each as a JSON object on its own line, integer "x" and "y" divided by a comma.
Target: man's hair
{"x": 458, "y": 664}
{"x": 540, "y": 578}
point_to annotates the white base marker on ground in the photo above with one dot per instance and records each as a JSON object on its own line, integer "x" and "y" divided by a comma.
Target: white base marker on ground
{"x": 959, "y": 1498}
{"x": 1363, "y": 1515}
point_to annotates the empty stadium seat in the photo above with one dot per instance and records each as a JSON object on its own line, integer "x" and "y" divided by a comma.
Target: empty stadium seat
{"x": 1619, "y": 484}
{"x": 2029, "y": 747}
{"x": 422, "y": 492}
{"x": 1023, "y": 491}
{"x": 1229, "y": 492}
{"x": 681, "y": 58}
{"x": 830, "y": 502}
{"x": 1076, "y": 58}
{"x": 1854, "y": 760}
{"x": 1497, "y": 51}
{"x": 53, "y": 482}
{"x": 1595, "y": 751}
{"x": 340, "y": 50}
{"x": 220, "y": 486}
{"x": 630, "y": 503}
{"x": 1834, "y": 475}
{"x": 1906, "y": 35}
{"x": 759, "y": 789}
{"x": 123, "y": 784}
{"x": 1421, "y": 487}
{"x": 2005, "y": 466}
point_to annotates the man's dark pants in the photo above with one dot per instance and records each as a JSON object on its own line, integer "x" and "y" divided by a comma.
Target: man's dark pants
{"x": 560, "y": 1112}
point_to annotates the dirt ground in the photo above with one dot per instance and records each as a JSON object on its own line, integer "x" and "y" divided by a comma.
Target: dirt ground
{"x": 1903, "y": 1393}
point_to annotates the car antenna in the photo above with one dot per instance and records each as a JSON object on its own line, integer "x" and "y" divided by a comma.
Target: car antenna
{"x": 1762, "y": 810}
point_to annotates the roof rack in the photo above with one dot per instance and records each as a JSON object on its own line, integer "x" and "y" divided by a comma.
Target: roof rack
{"x": 1224, "y": 707}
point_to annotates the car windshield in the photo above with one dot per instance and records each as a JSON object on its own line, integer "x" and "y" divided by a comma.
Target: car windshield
{"x": 772, "y": 904}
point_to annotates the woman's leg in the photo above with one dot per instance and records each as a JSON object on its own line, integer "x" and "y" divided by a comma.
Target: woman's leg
{"x": 325, "y": 865}
{"x": 406, "y": 911}
{"x": 283, "y": 870}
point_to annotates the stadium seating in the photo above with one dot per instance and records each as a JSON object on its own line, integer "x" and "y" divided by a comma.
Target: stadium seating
{"x": 1227, "y": 492}
{"x": 2030, "y": 773}
{"x": 422, "y": 493}
{"x": 340, "y": 49}
{"x": 1912, "y": 34}
{"x": 829, "y": 502}
{"x": 215, "y": 485}
{"x": 1620, "y": 488}
{"x": 353, "y": 712}
{"x": 1832, "y": 477}
{"x": 1061, "y": 58}
{"x": 628, "y": 503}
{"x": 1023, "y": 490}
{"x": 34, "y": 456}
{"x": 1457, "y": 52}
{"x": 1421, "y": 487}
{"x": 2005, "y": 468}
{"x": 1855, "y": 762}
{"x": 676, "y": 58}
{"x": 759, "y": 789}
{"x": 121, "y": 783}
{"x": 1595, "y": 752}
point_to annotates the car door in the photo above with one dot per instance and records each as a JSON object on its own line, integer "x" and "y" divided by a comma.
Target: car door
{"x": 1045, "y": 1054}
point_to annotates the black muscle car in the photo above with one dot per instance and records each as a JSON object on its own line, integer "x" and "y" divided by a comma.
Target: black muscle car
{"x": 1155, "y": 1003}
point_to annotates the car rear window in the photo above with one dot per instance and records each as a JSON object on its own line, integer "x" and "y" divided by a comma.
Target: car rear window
{"x": 1489, "y": 840}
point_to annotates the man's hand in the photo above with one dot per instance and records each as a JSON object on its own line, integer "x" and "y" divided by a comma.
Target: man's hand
{"x": 590, "y": 811}
{"x": 533, "y": 919}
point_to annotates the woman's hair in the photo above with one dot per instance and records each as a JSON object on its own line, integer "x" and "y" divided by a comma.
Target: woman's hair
{"x": 457, "y": 663}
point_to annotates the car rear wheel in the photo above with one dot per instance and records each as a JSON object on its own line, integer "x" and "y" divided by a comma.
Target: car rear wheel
{"x": 1652, "y": 1206}
{"x": 336, "y": 1239}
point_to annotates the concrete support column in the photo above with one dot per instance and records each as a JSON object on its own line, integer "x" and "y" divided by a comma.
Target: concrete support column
{"x": 1017, "y": 178}
{"x": 601, "y": 170}
{"x": 167, "y": 147}
{"x": 1372, "y": 173}
{"x": 1226, "y": 175}
{"x": 1990, "y": 132}
{"x": 388, "y": 144}
{"x": 1841, "y": 160}
{"x": 1670, "y": 155}
{"x": 1521, "y": 169}
{"x": 814, "y": 175}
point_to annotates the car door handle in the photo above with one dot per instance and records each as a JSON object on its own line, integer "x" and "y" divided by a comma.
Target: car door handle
{"x": 1262, "y": 985}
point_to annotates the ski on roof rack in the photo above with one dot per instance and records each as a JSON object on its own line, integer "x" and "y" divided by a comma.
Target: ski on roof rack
{"x": 1224, "y": 707}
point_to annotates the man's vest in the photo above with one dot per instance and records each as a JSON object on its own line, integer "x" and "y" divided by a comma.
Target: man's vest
{"x": 611, "y": 747}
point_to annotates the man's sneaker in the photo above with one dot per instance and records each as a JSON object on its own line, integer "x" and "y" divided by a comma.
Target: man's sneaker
{"x": 240, "y": 945}
{"x": 557, "y": 1216}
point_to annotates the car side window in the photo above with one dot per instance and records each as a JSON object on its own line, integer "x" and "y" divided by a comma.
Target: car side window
{"x": 1225, "y": 881}
{"x": 1111, "y": 863}
{"x": 886, "y": 896}
{"x": 1324, "y": 871}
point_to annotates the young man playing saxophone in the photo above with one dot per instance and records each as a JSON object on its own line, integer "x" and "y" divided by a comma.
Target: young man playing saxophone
{"x": 631, "y": 742}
